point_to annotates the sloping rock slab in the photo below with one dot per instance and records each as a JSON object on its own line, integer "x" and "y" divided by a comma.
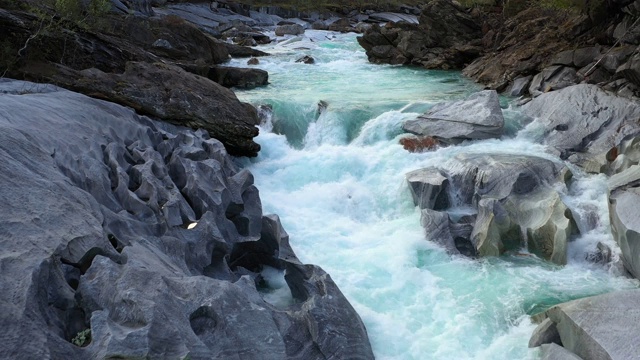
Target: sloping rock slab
{"x": 98, "y": 219}
{"x": 394, "y": 17}
{"x": 600, "y": 327}
{"x": 172, "y": 94}
{"x": 477, "y": 117}
{"x": 584, "y": 120}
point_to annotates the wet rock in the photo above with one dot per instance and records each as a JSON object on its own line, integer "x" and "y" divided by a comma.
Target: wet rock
{"x": 623, "y": 211}
{"x": 416, "y": 144}
{"x": 556, "y": 352}
{"x": 599, "y": 327}
{"x": 94, "y": 217}
{"x": 443, "y": 38}
{"x": 238, "y": 77}
{"x": 545, "y": 333}
{"x": 306, "y": 60}
{"x": 584, "y": 123}
{"x": 477, "y": 117}
{"x": 520, "y": 86}
{"x": 429, "y": 188}
{"x": 514, "y": 202}
{"x": 293, "y": 29}
{"x": 630, "y": 70}
{"x": 253, "y": 61}
{"x": 238, "y": 51}
{"x": 342, "y": 25}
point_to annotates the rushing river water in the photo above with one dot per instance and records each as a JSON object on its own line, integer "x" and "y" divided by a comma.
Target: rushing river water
{"x": 337, "y": 181}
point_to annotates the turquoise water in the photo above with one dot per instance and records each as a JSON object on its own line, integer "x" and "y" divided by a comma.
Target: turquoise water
{"x": 336, "y": 178}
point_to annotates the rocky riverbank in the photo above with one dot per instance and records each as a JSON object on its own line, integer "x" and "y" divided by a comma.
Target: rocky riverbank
{"x": 578, "y": 77}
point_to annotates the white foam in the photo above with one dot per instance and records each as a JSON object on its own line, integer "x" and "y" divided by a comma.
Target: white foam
{"x": 347, "y": 208}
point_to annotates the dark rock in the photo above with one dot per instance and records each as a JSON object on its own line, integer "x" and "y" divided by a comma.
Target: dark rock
{"x": 306, "y": 59}
{"x": 477, "y": 117}
{"x": 341, "y": 25}
{"x": 616, "y": 57}
{"x": 293, "y": 29}
{"x": 630, "y": 70}
{"x": 238, "y": 77}
{"x": 319, "y": 25}
{"x": 253, "y": 61}
{"x": 585, "y": 56}
{"x": 238, "y": 51}
{"x": 203, "y": 16}
{"x": 169, "y": 93}
{"x": 83, "y": 176}
{"x": 520, "y": 86}
{"x": 442, "y": 39}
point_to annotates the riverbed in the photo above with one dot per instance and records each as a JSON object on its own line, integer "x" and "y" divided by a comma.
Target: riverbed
{"x": 332, "y": 168}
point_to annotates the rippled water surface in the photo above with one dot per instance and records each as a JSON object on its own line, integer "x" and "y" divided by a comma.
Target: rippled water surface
{"x": 336, "y": 178}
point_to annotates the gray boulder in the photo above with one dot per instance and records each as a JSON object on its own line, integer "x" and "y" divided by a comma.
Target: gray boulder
{"x": 556, "y": 352}
{"x": 599, "y": 327}
{"x": 147, "y": 239}
{"x": 584, "y": 123}
{"x": 514, "y": 203}
{"x": 291, "y": 29}
{"x": 625, "y": 226}
{"x": 545, "y": 333}
{"x": 477, "y": 117}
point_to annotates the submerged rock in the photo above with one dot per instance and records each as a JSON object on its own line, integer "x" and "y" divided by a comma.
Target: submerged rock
{"x": 599, "y": 327}
{"x": 477, "y": 117}
{"x": 306, "y": 60}
{"x": 508, "y": 202}
{"x": 147, "y": 237}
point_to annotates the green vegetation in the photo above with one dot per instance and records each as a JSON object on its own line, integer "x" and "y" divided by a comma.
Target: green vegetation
{"x": 83, "y": 338}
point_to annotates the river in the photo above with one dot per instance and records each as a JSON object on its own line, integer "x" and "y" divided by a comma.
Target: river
{"x": 336, "y": 178}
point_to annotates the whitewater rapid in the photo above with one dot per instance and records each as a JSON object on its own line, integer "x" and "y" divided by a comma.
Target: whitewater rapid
{"x": 336, "y": 179}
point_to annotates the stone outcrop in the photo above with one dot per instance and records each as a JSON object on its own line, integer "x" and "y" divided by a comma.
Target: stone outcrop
{"x": 445, "y": 38}
{"x": 598, "y": 327}
{"x": 146, "y": 239}
{"x": 485, "y": 205}
{"x": 291, "y": 29}
{"x": 238, "y": 77}
{"x": 477, "y": 117}
{"x": 586, "y": 124}
{"x": 171, "y": 94}
{"x": 625, "y": 225}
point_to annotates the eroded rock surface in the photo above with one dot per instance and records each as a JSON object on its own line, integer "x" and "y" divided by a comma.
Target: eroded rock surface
{"x": 485, "y": 205}
{"x": 585, "y": 123}
{"x": 150, "y": 237}
{"x": 477, "y": 117}
{"x": 599, "y": 327}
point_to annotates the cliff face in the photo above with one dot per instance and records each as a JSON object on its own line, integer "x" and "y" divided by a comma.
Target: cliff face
{"x": 147, "y": 240}
{"x": 506, "y": 51}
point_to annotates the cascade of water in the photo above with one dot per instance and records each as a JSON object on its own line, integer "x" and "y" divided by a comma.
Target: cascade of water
{"x": 337, "y": 181}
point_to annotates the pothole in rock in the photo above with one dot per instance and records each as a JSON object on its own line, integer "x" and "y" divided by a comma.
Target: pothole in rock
{"x": 274, "y": 288}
